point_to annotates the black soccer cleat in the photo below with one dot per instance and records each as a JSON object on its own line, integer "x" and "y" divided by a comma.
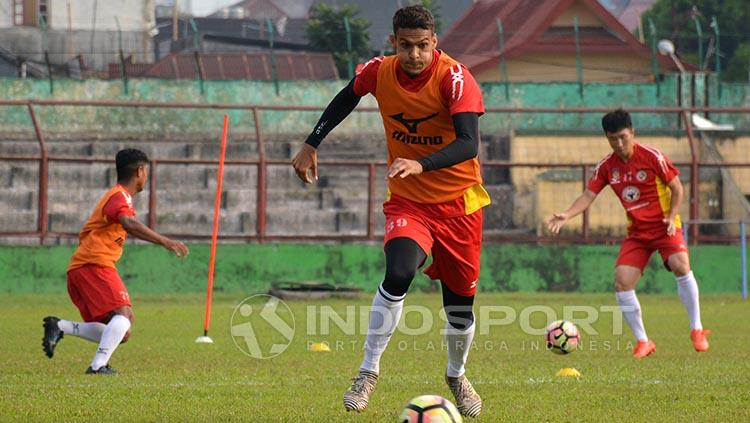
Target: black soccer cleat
{"x": 52, "y": 335}
{"x": 104, "y": 370}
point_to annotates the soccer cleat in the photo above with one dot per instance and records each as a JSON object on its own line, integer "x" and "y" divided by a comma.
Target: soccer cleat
{"x": 104, "y": 370}
{"x": 644, "y": 348}
{"x": 700, "y": 340}
{"x": 358, "y": 395}
{"x": 468, "y": 402}
{"x": 52, "y": 335}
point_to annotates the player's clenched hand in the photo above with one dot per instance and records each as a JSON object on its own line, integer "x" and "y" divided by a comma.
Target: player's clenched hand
{"x": 671, "y": 227}
{"x": 305, "y": 160}
{"x": 556, "y": 222}
{"x": 177, "y": 247}
{"x": 404, "y": 167}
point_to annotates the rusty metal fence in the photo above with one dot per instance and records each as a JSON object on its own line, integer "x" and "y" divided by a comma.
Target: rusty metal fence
{"x": 262, "y": 163}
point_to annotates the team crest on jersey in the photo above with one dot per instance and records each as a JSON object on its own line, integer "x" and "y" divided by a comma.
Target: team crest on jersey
{"x": 641, "y": 175}
{"x": 615, "y": 176}
{"x": 631, "y": 194}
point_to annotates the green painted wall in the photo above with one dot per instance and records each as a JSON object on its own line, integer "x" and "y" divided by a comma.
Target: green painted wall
{"x": 156, "y": 122}
{"x": 251, "y": 268}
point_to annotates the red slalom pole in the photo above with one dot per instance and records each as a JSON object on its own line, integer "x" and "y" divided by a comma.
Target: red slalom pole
{"x": 214, "y": 234}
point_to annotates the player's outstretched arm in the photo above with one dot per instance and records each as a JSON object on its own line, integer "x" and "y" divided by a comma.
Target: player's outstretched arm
{"x": 674, "y": 205}
{"x": 558, "y": 220}
{"x": 340, "y": 107}
{"x": 134, "y": 227}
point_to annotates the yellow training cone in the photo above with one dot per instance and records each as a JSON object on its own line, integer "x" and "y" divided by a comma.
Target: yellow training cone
{"x": 319, "y": 347}
{"x": 568, "y": 371}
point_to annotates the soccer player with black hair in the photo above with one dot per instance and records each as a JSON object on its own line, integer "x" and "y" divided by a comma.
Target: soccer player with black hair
{"x": 94, "y": 285}
{"x": 649, "y": 188}
{"x": 430, "y": 106}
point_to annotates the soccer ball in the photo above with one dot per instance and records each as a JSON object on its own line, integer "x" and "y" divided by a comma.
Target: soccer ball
{"x": 430, "y": 408}
{"x": 562, "y": 337}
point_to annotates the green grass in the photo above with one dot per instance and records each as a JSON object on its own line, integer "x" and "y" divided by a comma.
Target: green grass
{"x": 164, "y": 376}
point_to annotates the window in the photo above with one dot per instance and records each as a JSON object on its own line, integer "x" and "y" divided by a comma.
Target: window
{"x": 29, "y": 12}
{"x": 44, "y": 10}
{"x": 18, "y": 12}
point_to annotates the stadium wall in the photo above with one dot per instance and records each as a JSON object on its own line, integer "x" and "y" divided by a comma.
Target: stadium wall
{"x": 251, "y": 268}
{"x": 319, "y": 93}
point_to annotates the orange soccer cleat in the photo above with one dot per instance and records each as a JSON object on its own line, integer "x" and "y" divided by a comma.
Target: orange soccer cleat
{"x": 700, "y": 340}
{"x": 644, "y": 348}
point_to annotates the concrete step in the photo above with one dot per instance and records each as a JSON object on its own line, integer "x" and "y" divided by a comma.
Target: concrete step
{"x": 19, "y": 221}
{"x": 17, "y": 199}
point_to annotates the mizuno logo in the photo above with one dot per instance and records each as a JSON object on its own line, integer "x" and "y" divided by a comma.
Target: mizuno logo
{"x": 411, "y": 124}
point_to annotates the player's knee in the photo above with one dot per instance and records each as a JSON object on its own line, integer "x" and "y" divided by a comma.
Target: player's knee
{"x": 397, "y": 281}
{"x": 621, "y": 285}
{"x": 459, "y": 318}
{"x": 681, "y": 269}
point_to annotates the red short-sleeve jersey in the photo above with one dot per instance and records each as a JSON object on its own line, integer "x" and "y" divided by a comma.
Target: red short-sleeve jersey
{"x": 641, "y": 184}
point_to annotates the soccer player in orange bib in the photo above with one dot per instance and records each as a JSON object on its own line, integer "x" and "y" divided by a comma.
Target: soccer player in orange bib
{"x": 94, "y": 285}
{"x": 430, "y": 106}
{"x": 649, "y": 188}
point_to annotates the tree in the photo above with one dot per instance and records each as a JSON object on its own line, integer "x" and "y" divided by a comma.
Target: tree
{"x": 434, "y": 7}
{"x": 327, "y": 32}
{"x": 675, "y": 20}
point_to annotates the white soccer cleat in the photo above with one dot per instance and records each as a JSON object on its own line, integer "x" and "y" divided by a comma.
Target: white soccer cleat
{"x": 468, "y": 401}
{"x": 358, "y": 395}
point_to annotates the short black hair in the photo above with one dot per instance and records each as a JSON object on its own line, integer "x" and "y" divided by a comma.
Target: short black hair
{"x": 615, "y": 121}
{"x": 413, "y": 17}
{"x": 128, "y": 161}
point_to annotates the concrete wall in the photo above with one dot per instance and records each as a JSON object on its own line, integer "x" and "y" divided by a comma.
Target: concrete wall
{"x": 596, "y": 68}
{"x": 252, "y": 268}
{"x": 134, "y": 15}
{"x": 6, "y": 13}
{"x": 80, "y": 32}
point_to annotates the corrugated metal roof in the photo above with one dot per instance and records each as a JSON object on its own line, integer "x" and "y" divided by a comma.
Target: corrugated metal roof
{"x": 236, "y": 65}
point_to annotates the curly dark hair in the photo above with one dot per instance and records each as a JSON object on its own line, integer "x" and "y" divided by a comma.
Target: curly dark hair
{"x": 128, "y": 161}
{"x": 413, "y": 17}
{"x": 614, "y": 121}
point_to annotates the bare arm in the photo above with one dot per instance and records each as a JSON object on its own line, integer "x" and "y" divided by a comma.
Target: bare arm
{"x": 558, "y": 220}
{"x": 674, "y": 205}
{"x": 134, "y": 227}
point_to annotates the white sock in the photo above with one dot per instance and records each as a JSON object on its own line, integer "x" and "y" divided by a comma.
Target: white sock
{"x": 111, "y": 337}
{"x": 386, "y": 311}
{"x": 91, "y": 331}
{"x": 631, "y": 309}
{"x": 687, "y": 288}
{"x": 459, "y": 344}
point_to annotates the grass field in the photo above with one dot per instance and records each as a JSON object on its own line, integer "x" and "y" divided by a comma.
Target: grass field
{"x": 164, "y": 375}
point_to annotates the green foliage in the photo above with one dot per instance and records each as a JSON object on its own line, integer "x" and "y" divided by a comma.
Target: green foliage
{"x": 327, "y": 32}
{"x": 434, "y": 7}
{"x": 674, "y": 21}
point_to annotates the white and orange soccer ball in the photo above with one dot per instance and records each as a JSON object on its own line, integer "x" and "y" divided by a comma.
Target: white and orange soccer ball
{"x": 430, "y": 408}
{"x": 562, "y": 337}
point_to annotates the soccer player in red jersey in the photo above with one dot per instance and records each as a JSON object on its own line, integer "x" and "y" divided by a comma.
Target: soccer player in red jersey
{"x": 94, "y": 285}
{"x": 649, "y": 188}
{"x": 430, "y": 106}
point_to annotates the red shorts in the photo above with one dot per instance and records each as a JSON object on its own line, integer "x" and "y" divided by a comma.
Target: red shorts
{"x": 455, "y": 242}
{"x": 637, "y": 248}
{"x": 96, "y": 291}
